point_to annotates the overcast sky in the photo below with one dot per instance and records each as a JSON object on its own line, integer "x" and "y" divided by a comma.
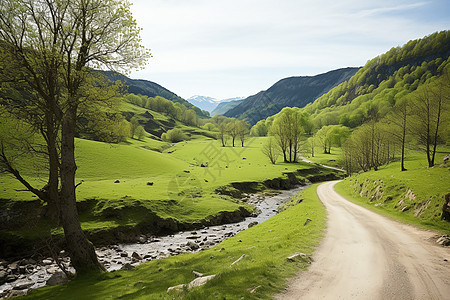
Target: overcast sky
{"x": 235, "y": 48}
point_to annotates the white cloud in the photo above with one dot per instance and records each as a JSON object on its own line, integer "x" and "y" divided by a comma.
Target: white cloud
{"x": 190, "y": 39}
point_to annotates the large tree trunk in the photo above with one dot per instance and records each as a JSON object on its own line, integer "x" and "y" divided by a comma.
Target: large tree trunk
{"x": 53, "y": 208}
{"x": 81, "y": 250}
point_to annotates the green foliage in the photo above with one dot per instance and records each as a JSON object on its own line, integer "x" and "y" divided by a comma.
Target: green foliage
{"x": 381, "y": 81}
{"x": 271, "y": 150}
{"x": 140, "y": 132}
{"x": 174, "y": 136}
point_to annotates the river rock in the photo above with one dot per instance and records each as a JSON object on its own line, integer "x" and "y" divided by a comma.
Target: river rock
{"x": 135, "y": 255}
{"x": 16, "y": 293}
{"x": 256, "y": 212}
{"x": 52, "y": 270}
{"x": 200, "y": 281}
{"x": 3, "y": 276}
{"x": 192, "y": 245}
{"x": 299, "y": 256}
{"x": 14, "y": 267}
{"x": 46, "y": 262}
{"x": 444, "y": 240}
{"x": 57, "y": 278}
{"x": 252, "y": 224}
{"x": 23, "y": 286}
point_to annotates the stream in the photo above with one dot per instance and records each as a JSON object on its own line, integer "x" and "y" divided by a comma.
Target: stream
{"x": 20, "y": 276}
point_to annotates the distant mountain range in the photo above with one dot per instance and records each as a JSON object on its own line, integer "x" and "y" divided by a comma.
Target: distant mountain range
{"x": 209, "y": 103}
{"x": 292, "y": 91}
{"x": 151, "y": 89}
{"x": 223, "y": 107}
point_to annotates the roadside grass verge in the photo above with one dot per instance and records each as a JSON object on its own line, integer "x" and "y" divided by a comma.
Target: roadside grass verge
{"x": 264, "y": 268}
{"x": 415, "y": 196}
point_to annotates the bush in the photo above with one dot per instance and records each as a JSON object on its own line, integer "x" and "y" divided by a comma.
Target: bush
{"x": 174, "y": 136}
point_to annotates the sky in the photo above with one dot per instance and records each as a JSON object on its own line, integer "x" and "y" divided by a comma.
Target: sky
{"x": 236, "y": 48}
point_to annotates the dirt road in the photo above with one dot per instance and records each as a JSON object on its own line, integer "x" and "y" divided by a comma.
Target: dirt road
{"x": 367, "y": 256}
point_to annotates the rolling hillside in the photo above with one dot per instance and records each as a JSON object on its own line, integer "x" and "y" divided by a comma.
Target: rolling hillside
{"x": 151, "y": 89}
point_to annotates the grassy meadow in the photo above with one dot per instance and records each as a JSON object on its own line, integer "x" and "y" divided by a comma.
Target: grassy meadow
{"x": 155, "y": 177}
{"x": 259, "y": 275}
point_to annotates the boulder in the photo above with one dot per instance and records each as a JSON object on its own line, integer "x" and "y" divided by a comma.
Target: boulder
{"x": 23, "y": 286}
{"x": 3, "y": 276}
{"x": 198, "y": 274}
{"x": 52, "y": 270}
{"x": 199, "y": 281}
{"x": 57, "y": 278}
{"x": 136, "y": 256}
{"x": 117, "y": 181}
{"x": 444, "y": 240}
{"x": 192, "y": 245}
{"x": 299, "y": 256}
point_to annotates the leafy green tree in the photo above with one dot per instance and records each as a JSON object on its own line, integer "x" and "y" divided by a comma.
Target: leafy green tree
{"x": 430, "y": 111}
{"x": 174, "y": 136}
{"x": 243, "y": 130}
{"x": 223, "y": 133}
{"x": 55, "y": 45}
{"x": 271, "y": 149}
{"x": 287, "y": 130}
{"x": 233, "y": 129}
{"x": 140, "y": 132}
{"x": 134, "y": 124}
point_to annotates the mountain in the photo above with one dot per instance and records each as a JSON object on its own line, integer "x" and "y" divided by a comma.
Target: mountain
{"x": 292, "y": 91}
{"x": 151, "y": 89}
{"x": 226, "y": 105}
{"x": 382, "y": 81}
{"x": 204, "y": 102}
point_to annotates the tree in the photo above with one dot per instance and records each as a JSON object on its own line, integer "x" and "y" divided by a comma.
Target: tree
{"x": 243, "y": 131}
{"x": 174, "y": 135}
{"x": 55, "y": 45}
{"x": 233, "y": 129}
{"x": 134, "y": 124}
{"x": 398, "y": 121}
{"x": 287, "y": 130}
{"x": 140, "y": 132}
{"x": 271, "y": 150}
{"x": 429, "y": 109}
{"x": 223, "y": 133}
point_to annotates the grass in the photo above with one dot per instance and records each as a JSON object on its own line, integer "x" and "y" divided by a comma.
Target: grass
{"x": 266, "y": 247}
{"x": 385, "y": 191}
{"x": 170, "y": 184}
{"x": 333, "y": 159}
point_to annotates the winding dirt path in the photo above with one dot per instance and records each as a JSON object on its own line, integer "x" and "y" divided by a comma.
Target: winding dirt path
{"x": 367, "y": 256}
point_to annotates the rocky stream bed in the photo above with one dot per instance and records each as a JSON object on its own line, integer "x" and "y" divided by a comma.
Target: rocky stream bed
{"x": 18, "y": 277}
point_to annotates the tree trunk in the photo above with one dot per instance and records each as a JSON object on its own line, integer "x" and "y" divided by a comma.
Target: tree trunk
{"x": 81, "y": 250}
